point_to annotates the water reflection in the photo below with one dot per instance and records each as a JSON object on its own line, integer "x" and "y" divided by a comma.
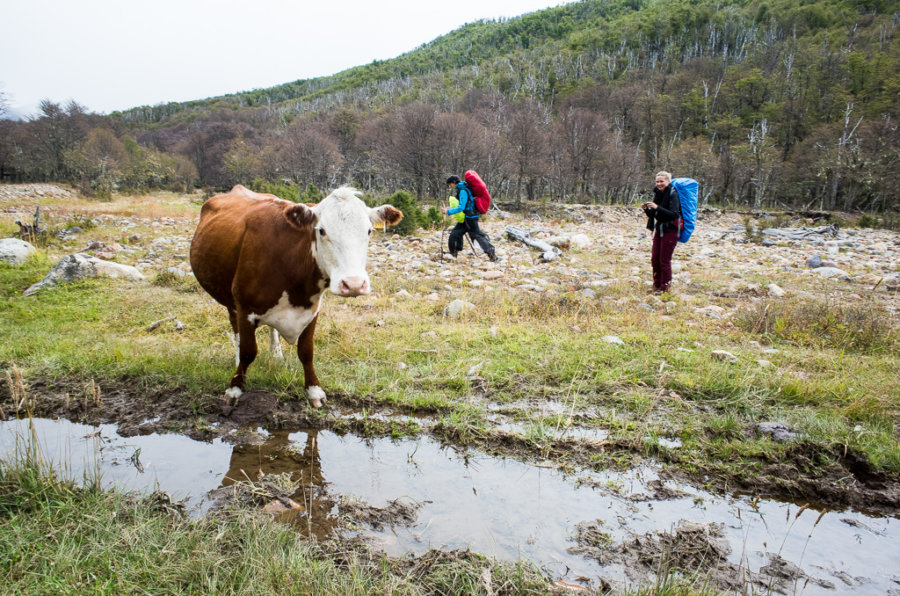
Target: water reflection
{"x": 467, "y": 499}
{"x": 296, "y": 454}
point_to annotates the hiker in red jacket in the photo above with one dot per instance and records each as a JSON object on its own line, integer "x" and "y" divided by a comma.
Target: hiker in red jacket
{"x": 663, "y": 220}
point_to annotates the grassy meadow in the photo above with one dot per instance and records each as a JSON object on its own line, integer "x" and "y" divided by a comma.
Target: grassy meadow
{"x": 833, "y": 379}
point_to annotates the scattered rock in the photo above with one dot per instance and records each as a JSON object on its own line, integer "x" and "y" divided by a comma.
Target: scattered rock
{"x": 15, "y": 251}
{"x": 581, "y": 241}
{"x": 80, "y": 266}
{"x": 560, "y": 242}
{"x": 780, "y": 432}
{"x": 712, "y": 311}
{"x": 724, "y": 356}
{"x": 775, "y": 291}
{"x": 457, "y": 308}
{"x": 612, "y": 339}
{"x": 830, "y": 272}
{"x": 814, "y": 262}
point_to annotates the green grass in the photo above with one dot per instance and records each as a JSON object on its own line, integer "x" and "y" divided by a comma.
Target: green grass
{"x": 526, "y": 346}
{"x": 537, "y": 357}
{"x": 57, "y": 537}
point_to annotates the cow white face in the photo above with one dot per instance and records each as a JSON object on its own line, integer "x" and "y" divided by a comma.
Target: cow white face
{"x": 343, "y": 226}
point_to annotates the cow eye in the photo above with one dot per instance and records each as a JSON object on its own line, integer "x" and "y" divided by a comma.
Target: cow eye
{"x": 322, "y": 232}
{"x": 370, "y": 231}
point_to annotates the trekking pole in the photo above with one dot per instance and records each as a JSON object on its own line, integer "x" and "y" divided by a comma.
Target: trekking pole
{"x": 472, "y": 244}
{"x": 443, "y": 228}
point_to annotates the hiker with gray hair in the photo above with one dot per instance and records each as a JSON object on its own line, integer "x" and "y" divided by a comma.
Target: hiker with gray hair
{"x": 664, "y": 222}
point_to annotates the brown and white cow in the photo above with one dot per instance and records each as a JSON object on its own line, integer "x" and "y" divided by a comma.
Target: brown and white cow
{"x": 269, "y": 261}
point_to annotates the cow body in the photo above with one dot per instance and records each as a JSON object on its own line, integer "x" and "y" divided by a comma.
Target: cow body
{"x": 269, "y": 262}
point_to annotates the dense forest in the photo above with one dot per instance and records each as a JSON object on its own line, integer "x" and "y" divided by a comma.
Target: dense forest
{"x": 768, "y": 103}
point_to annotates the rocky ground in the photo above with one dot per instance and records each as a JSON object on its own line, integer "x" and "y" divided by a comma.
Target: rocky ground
{"x": 733, "y": 259}
{"x": 730, "y": 255}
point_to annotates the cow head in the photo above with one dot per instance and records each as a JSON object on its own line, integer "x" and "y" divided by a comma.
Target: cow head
{"x": 342, "y": 224}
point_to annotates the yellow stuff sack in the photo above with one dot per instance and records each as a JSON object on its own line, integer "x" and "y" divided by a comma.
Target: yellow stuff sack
{"x": 454, "y": 203}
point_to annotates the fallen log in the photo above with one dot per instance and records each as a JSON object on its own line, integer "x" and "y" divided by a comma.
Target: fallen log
{"x": 801, "y": 233}
{"x": 548, "y": 252}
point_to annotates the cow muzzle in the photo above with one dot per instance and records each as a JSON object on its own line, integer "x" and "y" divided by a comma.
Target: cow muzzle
{"x": 353, "y": 286}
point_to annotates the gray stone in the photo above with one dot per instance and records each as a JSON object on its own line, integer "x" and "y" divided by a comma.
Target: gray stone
{"x": 613, "y": 339}
{"x": 831, "y": 272}
{"x": 457, "y": 308}
{"x": 79, "y": 266}
{"x": 15, "y": 251}
{"x": 775, "y": 291}
{"x": 723, "y": 355}
{"x": 779, "y": 431}
{"x": 814, "y": 261}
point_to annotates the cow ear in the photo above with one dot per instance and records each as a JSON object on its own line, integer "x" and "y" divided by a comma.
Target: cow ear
{"x": 300, "y": 216}
{"x": 386, "y": 214}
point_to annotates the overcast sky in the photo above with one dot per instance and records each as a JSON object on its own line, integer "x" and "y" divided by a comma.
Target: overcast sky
{"x": 112, "y": 55}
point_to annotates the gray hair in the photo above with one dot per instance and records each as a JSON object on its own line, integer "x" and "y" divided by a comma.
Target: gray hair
{"x": 665, "y": 175}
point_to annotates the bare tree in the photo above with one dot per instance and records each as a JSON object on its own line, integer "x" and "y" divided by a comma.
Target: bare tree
{"x": 845, "y": 137}
{"x": 527, "y": 139}
{"x": 306, "y": 152}
{"x": 410, "y": 144}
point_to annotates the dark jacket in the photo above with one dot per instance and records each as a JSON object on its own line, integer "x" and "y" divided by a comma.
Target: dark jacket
{"x": 664, "y": 218}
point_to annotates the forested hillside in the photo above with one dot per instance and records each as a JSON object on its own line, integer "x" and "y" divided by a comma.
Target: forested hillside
{"x": 768, "y": 103}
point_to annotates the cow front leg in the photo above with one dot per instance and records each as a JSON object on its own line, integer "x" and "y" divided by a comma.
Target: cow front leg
{"x": 235, "y": 337}
{"x": 314, "y": 392}
{"x": 246, "y": 332}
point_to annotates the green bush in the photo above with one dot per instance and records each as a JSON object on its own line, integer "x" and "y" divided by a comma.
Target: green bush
{"x": 413, "y": 216}
{"x": 281, "y": 190}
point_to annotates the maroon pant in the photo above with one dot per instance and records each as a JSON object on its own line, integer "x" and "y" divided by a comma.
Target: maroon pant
{"x": 661, "y": 259}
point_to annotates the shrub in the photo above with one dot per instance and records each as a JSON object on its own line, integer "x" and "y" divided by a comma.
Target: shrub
{"x": 413, "y": 216}
{"x": 282, "y": 190}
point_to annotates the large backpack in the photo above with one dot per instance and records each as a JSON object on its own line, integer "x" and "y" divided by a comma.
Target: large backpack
{"x": 479, "y": 191}
{"x": 687, "y": 193}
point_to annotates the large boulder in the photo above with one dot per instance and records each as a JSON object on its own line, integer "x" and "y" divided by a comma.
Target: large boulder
{"x": 79, "y": 266}
{"x": 15, "y": 251}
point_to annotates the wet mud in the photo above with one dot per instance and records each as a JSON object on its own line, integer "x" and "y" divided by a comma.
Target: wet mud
{"x": 825, "y": 475}
{"x": 336, "y": 475}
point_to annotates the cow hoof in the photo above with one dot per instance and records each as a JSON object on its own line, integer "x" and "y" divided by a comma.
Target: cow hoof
{"x": 316, "y": 396}
{"x": 233, "y": 393}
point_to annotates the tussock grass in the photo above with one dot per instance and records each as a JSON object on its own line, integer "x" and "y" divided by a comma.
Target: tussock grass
{"x": 857, "y": 327}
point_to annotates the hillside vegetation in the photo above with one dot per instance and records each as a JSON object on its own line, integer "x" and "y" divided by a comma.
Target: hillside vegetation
{"x": 768, "y": 103}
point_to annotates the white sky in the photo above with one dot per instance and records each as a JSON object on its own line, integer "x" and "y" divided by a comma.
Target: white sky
{"x": 117, "y": 54}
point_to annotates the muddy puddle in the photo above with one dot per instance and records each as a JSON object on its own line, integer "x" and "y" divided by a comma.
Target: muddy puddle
{"x": 406, "y": 496}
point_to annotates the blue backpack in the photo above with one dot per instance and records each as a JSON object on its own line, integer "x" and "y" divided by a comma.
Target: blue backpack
{"x": 687, "y": 193}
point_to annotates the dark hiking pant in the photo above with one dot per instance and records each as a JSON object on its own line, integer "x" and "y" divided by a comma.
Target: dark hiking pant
{"x": 470, "y": 227}
{"x": 661, "y": 259}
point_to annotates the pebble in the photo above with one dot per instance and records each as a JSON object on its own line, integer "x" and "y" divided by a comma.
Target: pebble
{"x": 723, "y": 355}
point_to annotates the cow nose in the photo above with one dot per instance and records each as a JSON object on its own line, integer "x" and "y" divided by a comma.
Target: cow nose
{"x": 353, "y": 286}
